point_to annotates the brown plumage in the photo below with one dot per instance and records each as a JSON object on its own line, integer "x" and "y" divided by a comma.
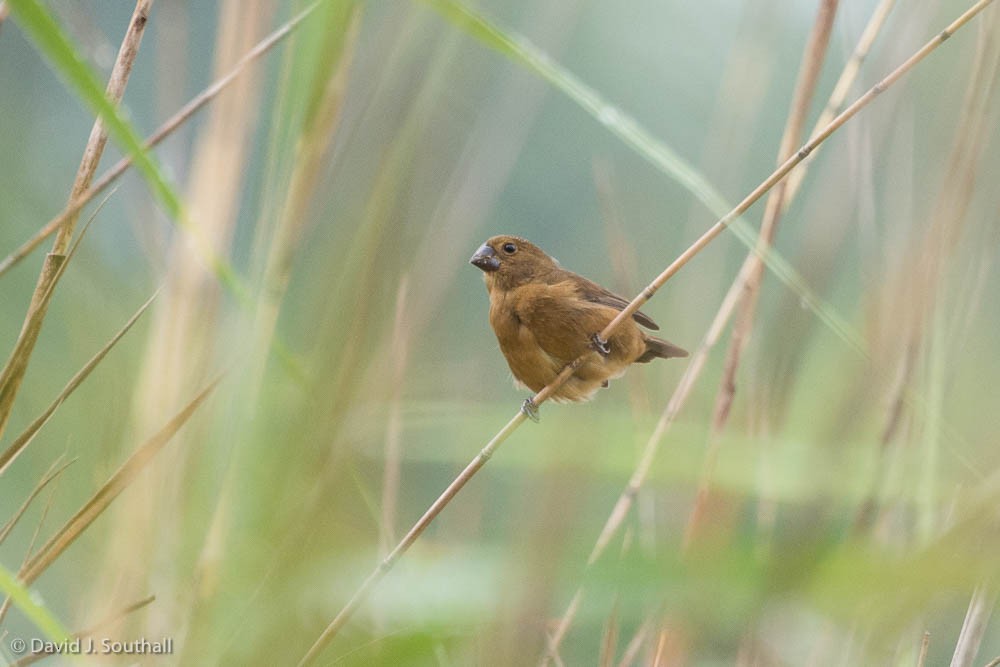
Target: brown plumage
{"x": 545, "y": 317}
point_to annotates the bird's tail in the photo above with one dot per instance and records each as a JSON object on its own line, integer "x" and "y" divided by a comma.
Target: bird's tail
{"x": 657, "y": 348}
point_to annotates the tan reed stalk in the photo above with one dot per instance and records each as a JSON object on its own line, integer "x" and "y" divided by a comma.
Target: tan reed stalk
{"x": 977, "y": 617}
{"x": 393, "y": 430}
{"x": 698, "y": 360}
{"x": 661, "y": 649}
{"x": 179, "y": 347}
{"x": 118, "y": 482}
{"x": 98, "y": 134}
{"x": 772, "y": 180}
{"x": 915, "y": 285}
{"x": 641, "y": 471}
{"x": 5, "y": 607}
{"x": 631, "y": 652}
{"x": 714, "y": 332}
{"x": 609, "y": 642}
{"x": 17, "y": 364}
{"x": 840, "y": 90}
{"x": 52, "y": 473}
{"x": 418, "y": 528}
{"x": 948, "y": 220}
{"x": 30, "y": 551}
{"x": 310, "y": 150}
{"x": 165, "y": 130}
{"x": 24, "y": 439}
{"x": 92, "y": 631}
{"x": 865, "y": 517}
{"x": 623, "y": 264}
{"x": 116, "y": 616}
{"x": 805, "y": 88}
{"x": 925, "y": 644}
{"x": 484, "y": 455}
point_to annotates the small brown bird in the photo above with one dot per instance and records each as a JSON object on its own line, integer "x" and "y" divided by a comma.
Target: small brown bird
{"x": 545, "y": 317}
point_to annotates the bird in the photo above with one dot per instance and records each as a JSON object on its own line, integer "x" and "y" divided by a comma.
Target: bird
{"x": 545, "y": 317}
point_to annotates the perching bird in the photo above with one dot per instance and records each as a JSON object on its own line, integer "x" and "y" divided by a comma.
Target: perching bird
{"x": 545, "y": 317}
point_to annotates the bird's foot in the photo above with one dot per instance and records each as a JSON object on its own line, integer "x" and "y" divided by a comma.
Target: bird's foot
{"x": 600, "y": 345}
{"x": 530, "y": 410}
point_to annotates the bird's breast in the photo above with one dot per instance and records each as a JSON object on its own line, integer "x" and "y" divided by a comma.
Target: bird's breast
{"x": 531, "y": 365}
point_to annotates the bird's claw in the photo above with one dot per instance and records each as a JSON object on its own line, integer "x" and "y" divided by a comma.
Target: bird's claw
{"x": 600, "y": 345}
{"x": 530, "y": 410}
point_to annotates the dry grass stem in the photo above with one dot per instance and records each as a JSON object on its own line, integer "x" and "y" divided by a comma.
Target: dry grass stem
{"x": 329, "y": 198}
{"x": 912, "y": 293}
{"x": 609, "y": 642}
{"x": 189, "y": 316}
{"x": 115, "y": 617}
{"x": 5, "y": 607}
{"x": 54, "y": 471}
{"x": 631, "y": 652}
{"x": 17, "y": 363}
{"x": 625, "y": 501}
{"x": 815, "y": 53}
{"x": 480, "y": 460}
{"x": 866, "y": 514}
{"x": 974, "y": 627}
{"x": 840, "y": 90}
{"x": 117, "y": 483}
{"x": 59, "y": 267}
{"x": 623, "y": 262}
{"x": 25, "y": 438}
{"x": 762, "y": 189}
{"x": 92, "y": 631}
{"x": 46, "y": 508}
{"x": 661, "y": 646}
{"x": 310, "y": 151}
{"x": 165, "y": 130}
{"x": 311, "y": 147}
{"x": 418, "y": 528}
{"x": 393, "y": 429}
{"x": 805, "y": 88}
{"x": 98, "y": 134}
{"x": 677, "y": 400}
{"x": 925, "y": 645}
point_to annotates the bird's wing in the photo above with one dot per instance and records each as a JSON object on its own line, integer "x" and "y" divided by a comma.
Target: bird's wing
{"x": 560, "y": 320}
{"x": 594, "y": 293}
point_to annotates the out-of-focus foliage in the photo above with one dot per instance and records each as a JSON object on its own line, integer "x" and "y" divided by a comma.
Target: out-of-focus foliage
{"x": 823, "y": 539}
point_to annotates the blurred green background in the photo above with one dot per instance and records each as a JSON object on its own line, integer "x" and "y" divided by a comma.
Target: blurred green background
{"x": 363, "y": 345}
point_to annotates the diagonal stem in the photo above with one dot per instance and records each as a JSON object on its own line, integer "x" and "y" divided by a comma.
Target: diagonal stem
{"x": 776, "y": 203}
{"x": 169, "y": 127}
{"x": 480, "y": 460}
{"x": 17, "y": 364}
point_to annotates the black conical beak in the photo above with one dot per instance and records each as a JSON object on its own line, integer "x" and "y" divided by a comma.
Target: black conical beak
{"x": 486, "y": 259}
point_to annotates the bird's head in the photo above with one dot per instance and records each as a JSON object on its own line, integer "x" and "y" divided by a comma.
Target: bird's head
{"x": 510, "y": 261}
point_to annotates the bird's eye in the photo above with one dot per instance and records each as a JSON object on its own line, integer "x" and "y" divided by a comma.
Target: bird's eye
{"x": 509, "y": 248}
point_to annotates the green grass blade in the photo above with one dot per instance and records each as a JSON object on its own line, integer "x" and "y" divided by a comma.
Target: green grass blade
{"x": 50, "y": 39}
{"x": 35, "y": 612}
{"x": 636, "y": 137}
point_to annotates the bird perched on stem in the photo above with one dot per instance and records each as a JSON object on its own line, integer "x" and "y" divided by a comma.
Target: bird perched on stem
{"x": 545, "y": 317}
